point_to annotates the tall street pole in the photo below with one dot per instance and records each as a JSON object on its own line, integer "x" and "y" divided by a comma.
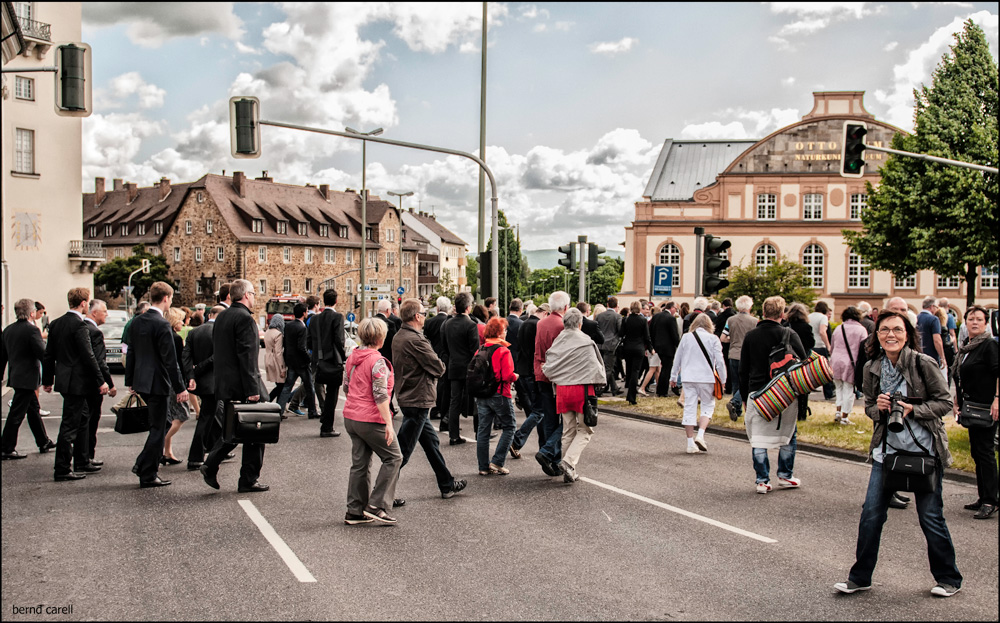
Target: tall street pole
{"x": 482, "y": 148}
{"x": 364, "y": 205}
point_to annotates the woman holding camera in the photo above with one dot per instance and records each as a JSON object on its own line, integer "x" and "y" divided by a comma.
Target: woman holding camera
{"x": 898, "y": 378}
{"x": 975, "y": 374}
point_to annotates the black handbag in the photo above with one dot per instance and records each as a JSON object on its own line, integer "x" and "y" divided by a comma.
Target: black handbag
{"x": 908, "y": 471}
{"x": 589, "y": 409}
{"x": 132, "y": 417}
{"x": 975, "y": 415}
{"x": 256, "y": 422}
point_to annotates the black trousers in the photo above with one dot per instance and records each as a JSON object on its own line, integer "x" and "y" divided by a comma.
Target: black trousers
{"x": 203, "y": 429}
{"x": 416, "y": 427}
{"x": 666, "y": 363}
{"x": 148, "y": 461}
{"x": 253, "y": 455}
{"x": 330, "y": 403}
{"x": 25, "y": 402}
{"x": 71, "y": 446}
{"x": 443, "y": 398}
{"x": 94, "y": 402}
{"x": 985, "y": 457}
{"x": 633, "y": 367}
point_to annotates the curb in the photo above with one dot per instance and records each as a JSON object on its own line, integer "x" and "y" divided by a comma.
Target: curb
{"x": 954, "y": 475}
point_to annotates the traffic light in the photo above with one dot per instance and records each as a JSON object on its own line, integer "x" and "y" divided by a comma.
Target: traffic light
{"x": 714, "y": 263}
{"x": 569, "y": 250}
{"x": 593, "y": 261}
{"x": 244, "y": 127}
{"x": 852, "y": 155}
{"x": 485, "y": 274}
{"x": 74, "y": 97}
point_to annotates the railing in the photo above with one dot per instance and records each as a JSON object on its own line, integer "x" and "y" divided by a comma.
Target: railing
{"x": 86, "y": 249}
{"x": 36, "y": 30}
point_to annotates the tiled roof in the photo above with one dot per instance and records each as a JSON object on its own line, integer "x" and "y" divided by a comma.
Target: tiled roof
{"x": 684, "y": 167}
{"x": 146, "y": 207}
{"x": 440, "y": 230}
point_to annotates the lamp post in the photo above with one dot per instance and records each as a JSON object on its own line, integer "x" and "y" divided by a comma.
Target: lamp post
{"x": 364, "y": 201}
{"x": 400, "y": 258}
{"x": 506, "y": 280}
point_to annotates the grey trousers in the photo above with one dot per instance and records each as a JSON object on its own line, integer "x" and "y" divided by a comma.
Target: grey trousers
{"x": 366, "y": 438}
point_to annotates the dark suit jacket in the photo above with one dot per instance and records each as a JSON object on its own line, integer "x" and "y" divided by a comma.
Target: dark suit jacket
{"x": 525, "y": 365}
{"x": 461, "y": 341}
{"x": 610, "y": 323}
{"x": 296, "y": 345}
{"x": 22, "y": 349}
{"x": 152, "y": 365}
{"x": 100, "y": 352}
{"x": 635, "y": 336}
{"x": 326, "y": 329}
{"x": 236, "y": 347}
{"x": 69, "y": 358}
{"x": 663, "y": 334}
{"x": 513, "y": 326}
{"x": 386, "y": 349}
{"x": 592, "y": 329}
{"x": 434, "y": 331}
{"x": 198, "y": 358}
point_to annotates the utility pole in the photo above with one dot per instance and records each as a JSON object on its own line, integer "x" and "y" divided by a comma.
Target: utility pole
{"x": 699, "y": 235}
{"x": 482, "y": 154}
{"x": 583, "y": 267}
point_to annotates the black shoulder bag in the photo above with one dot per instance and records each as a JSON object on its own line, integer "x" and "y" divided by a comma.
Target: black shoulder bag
{"x": 589, "y": 407}
{"x": 909, "y": 471}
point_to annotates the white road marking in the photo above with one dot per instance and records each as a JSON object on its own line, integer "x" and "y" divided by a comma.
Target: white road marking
{"x": 679, "y": 511}
{"x": 606, "y": 515}
{"x": 294, "y": 564}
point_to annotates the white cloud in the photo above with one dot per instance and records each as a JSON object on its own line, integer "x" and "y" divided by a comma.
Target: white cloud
{"x": 889, "y": 47}
{"x": 533, "y": 12}
{"x": 246, "y": 49}
{"x": 151, "y": 24}
{"x": 811, "y": 17}
{"x": 564, "y": 26}
{"x": 111, "y": 143}
{"x": 789, "y": 81}
{"x": 612, "y": 48}
{"x": 124, "y": 86}
{"x": 743, "y": 124}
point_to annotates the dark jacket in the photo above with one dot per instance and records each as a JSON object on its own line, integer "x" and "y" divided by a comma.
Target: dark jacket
{"x": 804, "y": 330}
{"x": 977, "y": 376}
{"x": 513, "y": 328}
{"x": 100, "y": 352}
{"x": 198, "y": 358}
{"x": 152, "y": 365}
{"x": 236, "y": 345}
{"x": 386, "y": 349}
{"x": 721, "y": 319}
{"x": 417, "y": 369}
{"x": 663, "y": 334}
{"x": 755, "y": 365}
{"x": 461, "y": 341}
{"x": 69, "y": 358}
{"x": 22, "y": 350}
{"x": 434, "y": 331}
{"x": 610, "y": 323}
{"x": 326, "y": 333}
{"x": 635, "y": 336}
{"x": 296, "y": 345}
{"x": 592, "y": 329}
{"x": 524, "y": 363}
{"x": 179, "y": 352}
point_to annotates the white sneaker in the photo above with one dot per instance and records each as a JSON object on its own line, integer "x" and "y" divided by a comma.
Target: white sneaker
{"x": 789, "y": 483}
{"x": 763, "y": 487}
{"x": 700, "y": 442}
{"x": 849, "y": 587}
{"x": 845, "y": 421}
{"x": 693, "y": 450}
{"x": 945, "y": 590}
{"x": 44, "y": 412}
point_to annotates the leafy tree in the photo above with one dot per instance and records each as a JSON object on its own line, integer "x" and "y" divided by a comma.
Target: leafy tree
{"x": 113, "y": 275}
{"x": 783, "y": 278}
{"x": 605, "y": 281}
{"x": 445, "y": 286}
{"x": 545, "y": 281}
{"x": 933, "y": 216}
{"x": 512, "y": 264}
{"x": 472, "y": 274}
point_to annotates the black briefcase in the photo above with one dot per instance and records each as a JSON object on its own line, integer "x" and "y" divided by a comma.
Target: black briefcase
{"x": 256, "y": 422}
{"x": 132, "y": 417}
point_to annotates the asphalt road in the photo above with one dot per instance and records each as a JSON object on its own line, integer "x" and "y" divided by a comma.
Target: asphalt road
{"x": 648, "y": 533}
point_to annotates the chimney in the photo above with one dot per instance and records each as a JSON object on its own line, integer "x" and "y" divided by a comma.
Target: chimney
{"x": 133, "y": 191}
{"x": 164, "y": 188}
{"x": 239, "y": 183}
{"x": 99, "y": 193}
{"x": 324, "y": 189}
{"x": 264, "y": 178}
{"x": 117, "y": 184}
{"x": 411, "y": 210}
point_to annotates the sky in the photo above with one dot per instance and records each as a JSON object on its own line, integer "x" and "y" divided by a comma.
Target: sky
{"x": 580, "y": 96}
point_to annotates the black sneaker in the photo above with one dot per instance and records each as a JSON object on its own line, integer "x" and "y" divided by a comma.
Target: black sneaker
{"x": 734, "y": 413}
{"x": 849, "y": 587}
{"x": 546, "y": 465}
{"x": 974, "y": 506}
{"x": 379, "y": 514}
{"x": 353, "y": 520}
{"x": 456, "y": 486}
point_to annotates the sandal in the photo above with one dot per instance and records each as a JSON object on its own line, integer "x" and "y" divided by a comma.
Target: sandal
{"x": 498, "y": 470}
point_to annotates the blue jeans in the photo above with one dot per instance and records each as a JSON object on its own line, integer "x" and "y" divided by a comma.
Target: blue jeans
{"x": 532, "y": 407}
{"x": 307, "y": 384}
{"x": 734, "y": 373}
{"x": 786, "y": 460}
{"x": 416, "y": 427}
{"x": 552, "y": 426}
{"x": 501, "y": 408}
{"x": 940, "y": 550}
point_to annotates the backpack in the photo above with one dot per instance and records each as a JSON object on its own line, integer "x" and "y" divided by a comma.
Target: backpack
{"x": 481, "y": 380}
{"x": 782, "y": 356}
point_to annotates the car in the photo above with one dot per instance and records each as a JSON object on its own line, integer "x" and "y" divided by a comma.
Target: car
{"x": 112, "y": 329}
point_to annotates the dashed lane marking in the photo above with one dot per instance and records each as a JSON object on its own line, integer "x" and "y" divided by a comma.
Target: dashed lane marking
{"x": 294, "y": 564}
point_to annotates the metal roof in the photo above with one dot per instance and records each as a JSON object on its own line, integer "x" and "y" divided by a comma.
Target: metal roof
{"x": 684, "y": 167}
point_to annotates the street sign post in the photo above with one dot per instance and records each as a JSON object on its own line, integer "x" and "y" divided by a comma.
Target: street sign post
{"x": 400, "y": 290}
{"x": 663, "y": 280}
{"x": 351, "y": 317}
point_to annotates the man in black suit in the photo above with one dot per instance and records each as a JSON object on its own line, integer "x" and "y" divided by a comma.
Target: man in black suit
{"x": 153, "y": 371}
{"x": 95, "y": 318}
{"x": 434, "y": 332}
{"x": 326, "y": 335}
{"x": 237, "y": 378}
{"x": 665, "y": 337}
{"x": 590, "y": 327}
{"x": 610, "y": 322}
{"x": 198, "y": 357}
{"x": 461, "y": 341}
{"x": 69, "y": 359}
{"x": 296, "y": 348}
{"x": 22, "y": 349}
{"x": 384, "y": 308}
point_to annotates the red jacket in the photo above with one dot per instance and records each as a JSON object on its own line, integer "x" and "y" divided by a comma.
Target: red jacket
{"x": 548, "y": 329}
{"x": 503, "y": 366}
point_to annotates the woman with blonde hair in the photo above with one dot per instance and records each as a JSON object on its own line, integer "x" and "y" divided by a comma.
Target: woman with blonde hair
{"x": 177, "y": 414}
{"x": 699, "y": 357}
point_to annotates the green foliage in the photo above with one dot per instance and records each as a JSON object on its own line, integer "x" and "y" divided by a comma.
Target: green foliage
{"x": 544, "y": 281}
{"x": 472, "y": 273}
{"x": 784, "y": 278}
{"x": 605, "y": 281}
{"x": 445, "y": 286}
{"x": 512, "y": 264}
{"x": 932, "y": 216}
{"x": 113, "y": 275}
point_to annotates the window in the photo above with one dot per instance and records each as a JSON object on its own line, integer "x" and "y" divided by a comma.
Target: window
{"x": 812, "y": 207}
{"x": 124, "y": 229}
{"x": 200, "y": 197}
{"x": 390, "y": 258}
{"x": 329, "y": 256}
{"x": 858, "y": 272}
{"x": 257, "y": 226}
{"x": 158, "y": 227}
{"x": 108, "y": 230}
{"x": 208, "y": 226}
{"x": 153, "y": 250}
{"x": 263, "y": 287}
{"x": 281, "y": 227}
{"x": 905, "y": 283}
{"x": 307, "y": 255}
{"x": 286, "y": 254}
{"x": 989, "y": 278}
{"x": 407, "y": 259}
{"x": 92, "y": 231}
{"x": 812, "y": 259}
{"x": 767, "y": 207}
{"x": 24, "y": 153}
{"x": 309, "y": 285}
{"x": 372, "y": 258}
{"x": 406, "y": 284}
{"x": 390, "y": 235}
{"x": 188, "y": 227}
{"x": 197, "y": 254}
{"x": 392, "y": 284}
{"x": 177, "y": 254}
{"x": 858, "y": 204}
{"x": 303, "y": 229}
{"x": 765, "y": 256}
{"x": 343, "y": 231}
{"x": 261, "y": 254}
{"x": 368, "y": 233}
{"x": 119, "y": 252}
{"x": 947, "y": 283}
{"x": 350, "y": 286}
{"x": 670, "y": 255}
{"x": 220, "y": 254}
{"x": 324, "y": 231}
{"x": 24, "y": 88}
{"x": 348, "y": 256}
{"x": 286, "y": 286}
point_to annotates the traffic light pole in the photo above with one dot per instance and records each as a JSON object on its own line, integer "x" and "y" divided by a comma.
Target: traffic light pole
{"x": 583, "y": 268}
{"x": 699, "y": 236}
{"x": 954, "y": 163}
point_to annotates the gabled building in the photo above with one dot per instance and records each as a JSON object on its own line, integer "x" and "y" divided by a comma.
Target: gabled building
{"x": 450, "y": 249}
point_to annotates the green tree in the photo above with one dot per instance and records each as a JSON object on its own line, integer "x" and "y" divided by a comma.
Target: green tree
{"x": 472, "y": 274}
{"x": 511, "y": 262}
{"x": 605, "y": 281}
{"x": 932, "y": 216}
{"x": 445, "y": 286}
{"x": 113, "y": 275}
{"x": 782, "y": 278}
{"x": 545, "y": 281}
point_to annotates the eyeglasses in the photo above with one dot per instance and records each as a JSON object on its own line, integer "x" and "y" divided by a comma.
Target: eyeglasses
{"x": 884, "y": 331}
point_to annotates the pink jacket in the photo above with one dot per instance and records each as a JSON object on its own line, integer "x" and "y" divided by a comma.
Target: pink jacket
{"x": 361, "y": 384}
{"x": 839, "y": 359}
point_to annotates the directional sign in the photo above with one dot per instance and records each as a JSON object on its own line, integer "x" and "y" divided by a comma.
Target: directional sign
{"x": 378, "y": 287}
{"x": 663, "y": 280}
{"x": 377, "y": 296}
{"x": 400, "y": 290}
{"x": 351, "y": 317}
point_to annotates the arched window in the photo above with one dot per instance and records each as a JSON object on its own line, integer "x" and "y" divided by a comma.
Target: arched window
{"x": 765, "y": 256}
{"x": 670, "y": 255}
{"x": 813, "y": 260}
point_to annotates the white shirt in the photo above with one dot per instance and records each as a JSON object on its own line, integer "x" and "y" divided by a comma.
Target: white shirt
{"x": 819, "y": 322}
{"x": 691, "y": 363}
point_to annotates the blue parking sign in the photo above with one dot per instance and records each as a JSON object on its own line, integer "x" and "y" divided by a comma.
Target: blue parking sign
{"x": 663, "y": 280}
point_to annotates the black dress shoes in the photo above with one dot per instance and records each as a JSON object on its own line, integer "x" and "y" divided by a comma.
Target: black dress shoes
{"x": 895, "y": 502}
{"x": 89, "y": 468}
{"x": 13, "y": 455}
{"x": 456, "y": 442}
{"x": 329, "y": 433}
{"x": 986, "y": 511}
{"x": 49, "y": 445}
{"x": 254, "y": 488}
{"x": 210, "y": 476}
{"x": 156, "y": 482}
{"x": 974, "y": 506}
{"x": 166, "y": 460}
{"x": 193, "y": 466}
{"x": 69, "y": 476}
{"x": 228, "y": 457}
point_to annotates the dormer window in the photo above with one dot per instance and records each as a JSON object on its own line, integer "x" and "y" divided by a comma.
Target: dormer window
{"x": 303, "y": 229}
{"x": 324, "y": 231}
{"x": 158, "y": 227}
{"x": 281, "y": 227}
{"x": 108, "y": 230}
{"x": 93, "y": 231}
{"x": 257, "y": 225}
{"x": 343, "y": 231}
{"x": 124, "y": 229}
{"x": 369, "y": 234}
{"x": 142, "y": 229}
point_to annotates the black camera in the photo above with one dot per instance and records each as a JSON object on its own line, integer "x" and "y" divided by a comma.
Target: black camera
{"x": 896, "y": 413}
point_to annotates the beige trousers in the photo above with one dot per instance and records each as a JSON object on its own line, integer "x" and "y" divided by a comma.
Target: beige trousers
{"x": 576, "y": 435}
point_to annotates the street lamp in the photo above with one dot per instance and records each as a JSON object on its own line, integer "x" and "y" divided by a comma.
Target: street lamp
{"x": 400, "y": 258}
{"x": 364, "y": 200}
{"x": 506, "y": 281}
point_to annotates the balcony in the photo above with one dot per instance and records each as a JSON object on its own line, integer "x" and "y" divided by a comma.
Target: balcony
{"x": 85, "y": 255}
{"x": 427, "y": 280}
{"x": 37, "y": 37}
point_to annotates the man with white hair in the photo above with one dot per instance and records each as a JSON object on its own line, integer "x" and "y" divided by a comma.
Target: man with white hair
{"x": 550, "y": 454}
{"x": 698, "y": 307}
{"x": 384, "y": 309}
{"x": 866, "y": 321}
{"x": 95, "y": 317}
{"x": 22, "y": 350}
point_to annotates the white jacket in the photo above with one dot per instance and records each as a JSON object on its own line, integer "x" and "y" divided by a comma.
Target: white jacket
{"x": 690, "y": 363}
